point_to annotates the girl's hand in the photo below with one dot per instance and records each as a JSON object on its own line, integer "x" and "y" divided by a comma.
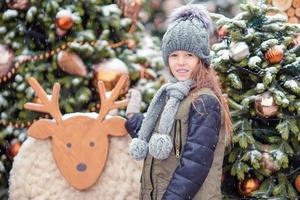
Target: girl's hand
{"x": 134, "y": 102}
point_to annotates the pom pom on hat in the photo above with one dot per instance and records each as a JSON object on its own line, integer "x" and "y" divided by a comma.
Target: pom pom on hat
{"x": 190, "y": 12}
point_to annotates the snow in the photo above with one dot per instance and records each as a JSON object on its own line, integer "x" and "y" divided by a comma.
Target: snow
{"x": 64, "y": 13}
{"x": 254, "y": 155}
{"x": 260, "y": 86}
{"x": 9, "y": 14}
{"x": 254, "y": 60}
{"x": 76, "y": 81}
{"x": 291, "y": 84}
{"x": 110, "y": 9}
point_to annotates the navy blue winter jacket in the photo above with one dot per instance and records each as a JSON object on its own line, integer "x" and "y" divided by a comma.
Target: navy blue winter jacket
{"x": 198, "y": 152}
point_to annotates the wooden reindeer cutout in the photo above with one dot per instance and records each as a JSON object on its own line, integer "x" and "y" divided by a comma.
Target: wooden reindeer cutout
{"x": 80, "y": 143}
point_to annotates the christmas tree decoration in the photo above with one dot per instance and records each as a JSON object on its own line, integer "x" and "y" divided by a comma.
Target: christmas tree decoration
{"x": 14, "y": 147}
{"x": 146, "y": 73}
{"x": 64, "y": 20}
{"x": 239, "y": 51}
{"x": 267, "y": 162}
{"x": 247, "y": 186}
{"x": 109, "y": 72}
{"x": 275, "y": 54}
{"x": 297, "y": 183}
{"x": 71, "y": 63}
{"x": 296, "y": 41}
{"x": 223, "y": 32}
{"x": 130, "y": 8}
{"x": 7, "y": 58}
{"x": 265, "y": 105}
{"x": 18, "y": 4}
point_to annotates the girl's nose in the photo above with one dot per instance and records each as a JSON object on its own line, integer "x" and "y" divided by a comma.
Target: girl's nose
{"x": 181, "y": 60}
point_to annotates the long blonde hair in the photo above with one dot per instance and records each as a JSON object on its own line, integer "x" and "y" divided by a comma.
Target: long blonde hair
{"x": 206, "y": 77}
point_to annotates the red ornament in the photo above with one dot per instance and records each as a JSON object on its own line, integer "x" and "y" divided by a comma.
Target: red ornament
{"x": 14, "y": 147}
{"x": 64, "y": 20}
{"x": 223, "y": 32}
{"x": 297, "y": 183}
{"x": 275, "y": 54}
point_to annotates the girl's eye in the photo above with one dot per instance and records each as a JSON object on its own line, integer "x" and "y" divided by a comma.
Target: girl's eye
{"x": 190, "y": 55}
{"x": 173, "y": 55}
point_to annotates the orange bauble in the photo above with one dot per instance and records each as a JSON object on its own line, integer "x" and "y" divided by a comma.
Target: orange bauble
{"x": 247, "y": 186}
{"x": 64, "y": 20}
{"x": 275, "y": 54}
{"x": 297, "y": 183}
{"x": 109, "y": 72}
{"x": 222, "y": 32}
{"x": 14, "y": 147}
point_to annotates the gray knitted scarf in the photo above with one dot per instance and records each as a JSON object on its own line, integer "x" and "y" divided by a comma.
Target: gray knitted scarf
{"x": 160, "y": 144}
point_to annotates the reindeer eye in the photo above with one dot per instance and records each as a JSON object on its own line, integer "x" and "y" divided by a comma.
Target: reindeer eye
{"x": 92, "y": 144}
{"x": 69, "y": 145}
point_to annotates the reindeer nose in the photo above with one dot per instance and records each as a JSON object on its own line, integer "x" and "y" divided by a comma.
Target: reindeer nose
{"x": 81, "y": 167}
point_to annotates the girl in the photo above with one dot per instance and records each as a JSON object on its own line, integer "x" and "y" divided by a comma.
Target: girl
{"x": 181, "y": 139}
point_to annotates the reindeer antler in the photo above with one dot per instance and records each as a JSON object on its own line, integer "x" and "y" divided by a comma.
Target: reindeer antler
{"x": 48, "y": 105}
{"x": 109, "y": 103}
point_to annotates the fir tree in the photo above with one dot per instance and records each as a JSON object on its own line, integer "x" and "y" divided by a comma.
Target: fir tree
{"x": 258, "y": 61}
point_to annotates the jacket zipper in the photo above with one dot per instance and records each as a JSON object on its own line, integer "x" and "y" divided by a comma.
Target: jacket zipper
{"x": 177, "y": 139}
{"x": 151, "y": 178}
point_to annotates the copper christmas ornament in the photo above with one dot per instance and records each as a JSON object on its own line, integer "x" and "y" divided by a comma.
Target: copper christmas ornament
{"x": 14, "y": 147}
{"x": 18, "y": 4}
{"x": 297, "y": 183}
{"x": 64, "y": 20}
{"x": 247, "y": 186}
{"x": 71, "y": 63}
{"x": 265, "y": 105}
{"x": 275, "y": 54}
{"x": 130, "y": 8}
{"x": 109, "y": 72}
{"x": 7, "y": 57}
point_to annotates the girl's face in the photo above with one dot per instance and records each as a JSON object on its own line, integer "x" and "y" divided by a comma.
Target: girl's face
{"x": 182, "y": 64}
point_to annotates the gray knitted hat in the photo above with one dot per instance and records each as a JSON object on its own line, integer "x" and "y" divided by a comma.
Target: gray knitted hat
{"x": 189, "y": 30}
